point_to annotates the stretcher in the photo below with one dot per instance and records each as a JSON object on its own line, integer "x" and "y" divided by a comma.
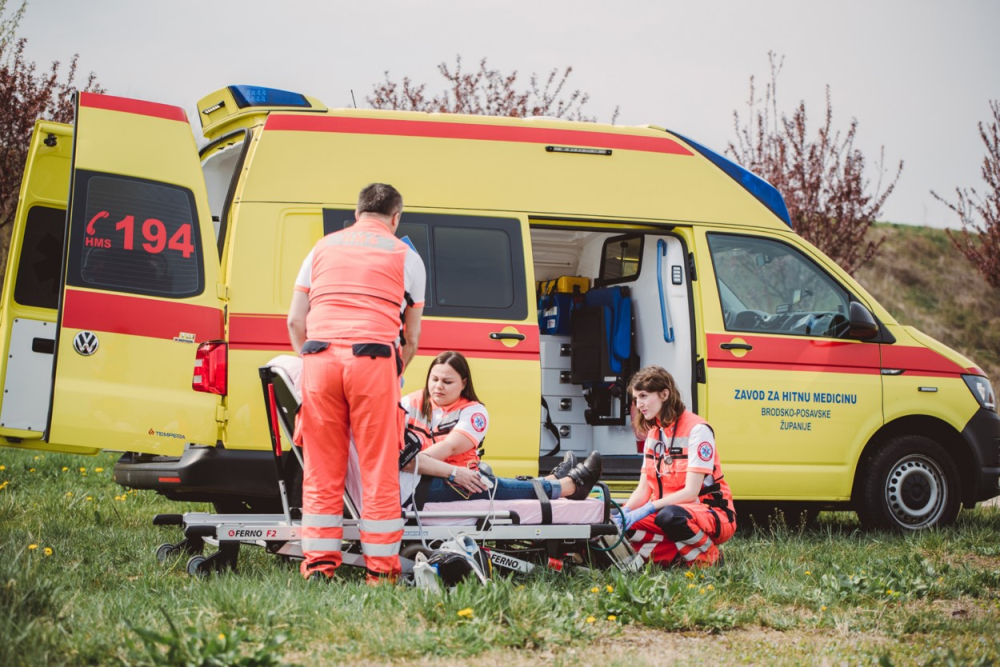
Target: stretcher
{"x": 515, "y": 535}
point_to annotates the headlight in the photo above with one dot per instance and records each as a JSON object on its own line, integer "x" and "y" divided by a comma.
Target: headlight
{"x": 982, "y": 390}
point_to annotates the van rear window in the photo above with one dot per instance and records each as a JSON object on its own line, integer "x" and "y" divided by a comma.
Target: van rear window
{"x": 37, "y": 282}
{"x": 133, "y": 235}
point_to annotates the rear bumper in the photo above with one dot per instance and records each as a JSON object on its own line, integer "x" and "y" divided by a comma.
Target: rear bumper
{"x": 202, "y": 474}
{"x": 983, "y": 435}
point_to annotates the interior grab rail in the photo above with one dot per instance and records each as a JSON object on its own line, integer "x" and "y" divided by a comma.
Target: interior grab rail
{"x": 661, "y": 252}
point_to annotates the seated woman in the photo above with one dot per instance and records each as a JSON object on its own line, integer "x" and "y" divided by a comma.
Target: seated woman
{"x": 452, "y": 422}
{"x": 682, "y": 509}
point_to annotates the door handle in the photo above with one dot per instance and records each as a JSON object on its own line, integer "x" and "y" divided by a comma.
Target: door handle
{"x": 736, "y": 346}
{"x": 502, "y": 335}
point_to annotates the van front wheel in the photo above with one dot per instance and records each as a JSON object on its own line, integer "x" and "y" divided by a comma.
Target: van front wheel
{"x": 909, "y": 484}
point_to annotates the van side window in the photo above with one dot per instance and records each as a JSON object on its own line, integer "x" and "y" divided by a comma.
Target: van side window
{"x": 766, "y": 286}
{"x": 37, "y": 281}
{"x": 136, "y": 236}
{"x": 621, "y": 259}
{"x": 475, "y": 264}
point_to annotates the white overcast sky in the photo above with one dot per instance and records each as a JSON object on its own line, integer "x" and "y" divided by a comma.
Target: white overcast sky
{"x": 918, "y": 75}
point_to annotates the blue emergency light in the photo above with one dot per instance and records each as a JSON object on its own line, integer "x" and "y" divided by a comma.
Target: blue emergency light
{"x": 258, "y": 96}
{"x": 765, "y": 193}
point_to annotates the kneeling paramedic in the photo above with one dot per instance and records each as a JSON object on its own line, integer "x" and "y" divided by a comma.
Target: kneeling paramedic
{"x": 354, "y": 290}
{"x": 682, "y": 509}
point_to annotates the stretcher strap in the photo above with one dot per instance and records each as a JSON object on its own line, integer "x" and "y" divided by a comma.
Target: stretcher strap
{"x": 543, "y": 500}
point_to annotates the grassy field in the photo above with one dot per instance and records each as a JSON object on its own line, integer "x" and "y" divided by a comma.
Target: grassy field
{"x": 79, "y": 585}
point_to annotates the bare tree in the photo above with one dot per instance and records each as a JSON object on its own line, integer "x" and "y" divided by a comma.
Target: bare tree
{"x": 822, "y": 176}
{"x": 979, "y": 240}
{"x": 486, "y": 92}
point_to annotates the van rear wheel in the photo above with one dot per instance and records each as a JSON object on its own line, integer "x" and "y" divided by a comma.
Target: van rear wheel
{"x": 909, "y": 484}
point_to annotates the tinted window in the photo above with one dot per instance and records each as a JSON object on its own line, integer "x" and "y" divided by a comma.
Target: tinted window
{"x": 132, "y": 235}
{"x": 37, "y": 282}
{"x": 620, "y": 259}
{"x": 769, "y": 287}
{"x": 475, "y": 264}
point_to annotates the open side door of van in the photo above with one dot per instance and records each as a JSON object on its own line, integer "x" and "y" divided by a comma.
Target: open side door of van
{"x": 31, "y": 290}
{"x": 139, "y": 288}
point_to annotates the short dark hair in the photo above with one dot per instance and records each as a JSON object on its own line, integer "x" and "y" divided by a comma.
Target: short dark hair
{"x": 380, "y": 198}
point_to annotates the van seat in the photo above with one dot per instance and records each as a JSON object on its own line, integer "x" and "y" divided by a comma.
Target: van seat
{"x": 617, "y": 305}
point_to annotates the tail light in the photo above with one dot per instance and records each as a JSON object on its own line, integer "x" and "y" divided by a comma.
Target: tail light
{"x": 210, "y": 368}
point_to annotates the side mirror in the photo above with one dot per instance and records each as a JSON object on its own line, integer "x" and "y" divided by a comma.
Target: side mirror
{"x": 863, "y": 325}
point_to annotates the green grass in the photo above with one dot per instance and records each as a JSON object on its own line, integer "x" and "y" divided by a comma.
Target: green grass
{"x": 785, "y": 596}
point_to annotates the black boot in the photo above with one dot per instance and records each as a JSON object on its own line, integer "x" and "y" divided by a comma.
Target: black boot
{"x": 568, "y": 463}
{"x": 585, "y": 475}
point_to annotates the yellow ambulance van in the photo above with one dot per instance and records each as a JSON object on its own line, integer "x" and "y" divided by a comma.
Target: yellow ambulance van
{"x": 148, "y": 280}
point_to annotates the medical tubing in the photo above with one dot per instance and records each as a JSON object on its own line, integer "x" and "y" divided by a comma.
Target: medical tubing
{"x": 621, "y": 535}
{"x": 661, "y": 252}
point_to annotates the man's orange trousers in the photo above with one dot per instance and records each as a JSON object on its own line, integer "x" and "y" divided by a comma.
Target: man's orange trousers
{"x": 345, "y": 396}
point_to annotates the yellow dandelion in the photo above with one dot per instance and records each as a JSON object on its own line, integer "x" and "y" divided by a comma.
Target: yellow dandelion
{"x": 701, "y": 591}
{"x": 689, "y": 574}
{"x": 591, "y": 619}
{"x": 595, "y": 589}
{"x": 65, "y": 468}
{"x": 3, "y": 467}
{"x": 98, "y": 469}
{"x": 609, "y": 588}
{"x": 90, "y": 497}
{"x": 69, "y": 494}
{"x": 32, "y": 547}
{"x": 701, "y": 576}
{"x": 823, "y": 608}
{"x": 465, "y": 613}
{"x": 612, "y": 617}
{"x": 4, "y": 485}
{"x": 47, "y": 551}
{"x": 37, "y": 457}
{"x": 711, "y": 587}
{"x": 808, "y": 573}
{"x": 31, "y": 470}
{"x": 889, "y": 592}
{"x": 691, "y": 586}
{"x": 222, "y": 637}
{"x": 83, "y": 470}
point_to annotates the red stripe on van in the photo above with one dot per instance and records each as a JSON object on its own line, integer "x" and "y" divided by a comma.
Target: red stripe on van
{"x": 270, "y": 332}
{"x": 479, "y": 131}
{"x": 815, "y": 355}
{"x": 135, "y": 316}
{"x": 126, "y": 105}
{"x": 920, "y": 361}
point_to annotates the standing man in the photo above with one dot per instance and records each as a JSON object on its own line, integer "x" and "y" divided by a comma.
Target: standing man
{"x": 354, "y": 290}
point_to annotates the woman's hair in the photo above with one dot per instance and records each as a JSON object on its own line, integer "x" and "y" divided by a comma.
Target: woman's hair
{"x": 461, "y": 366}
{"x": 655, "y": 379}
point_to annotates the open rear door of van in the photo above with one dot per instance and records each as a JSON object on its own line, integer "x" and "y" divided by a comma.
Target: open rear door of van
{"x": 139, "y": 289}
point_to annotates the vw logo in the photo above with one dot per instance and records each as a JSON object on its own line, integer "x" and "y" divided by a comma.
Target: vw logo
{"x": 85, "y": 343}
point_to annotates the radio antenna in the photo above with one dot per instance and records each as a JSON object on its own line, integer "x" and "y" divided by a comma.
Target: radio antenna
{"x": 353, "y": 100}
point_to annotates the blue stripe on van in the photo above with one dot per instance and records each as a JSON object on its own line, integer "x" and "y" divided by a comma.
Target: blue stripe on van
{"x": 763, "y": 191}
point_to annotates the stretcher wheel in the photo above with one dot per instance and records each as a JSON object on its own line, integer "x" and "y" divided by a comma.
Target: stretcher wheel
{"x": 165, "y": 552}
{"x": 196, "y": 567}
{"x": 410, "y": 551}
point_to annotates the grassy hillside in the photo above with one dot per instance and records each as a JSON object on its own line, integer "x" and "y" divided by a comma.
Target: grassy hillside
{"x": 925, "y": 282}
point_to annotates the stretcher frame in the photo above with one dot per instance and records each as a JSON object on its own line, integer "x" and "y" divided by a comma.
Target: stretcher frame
{"x": 501, "y": 534}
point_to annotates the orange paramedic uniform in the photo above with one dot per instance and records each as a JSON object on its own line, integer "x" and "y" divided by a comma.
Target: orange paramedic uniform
{"x": 359, "y": 280}
{"x": 467, "y": 417}
{"x": 691, "y": 532}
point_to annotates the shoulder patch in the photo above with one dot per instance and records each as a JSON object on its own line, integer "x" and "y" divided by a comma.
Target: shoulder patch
{"x": 479, "y": 422}
{"x": 705, "y": 451}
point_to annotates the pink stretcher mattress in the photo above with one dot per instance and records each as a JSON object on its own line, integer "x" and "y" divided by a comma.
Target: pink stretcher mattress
{"x": 589, "y": 511}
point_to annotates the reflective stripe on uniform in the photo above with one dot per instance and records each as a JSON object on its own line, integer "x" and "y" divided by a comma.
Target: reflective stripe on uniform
{"x": 387, "y": 526}
{"x": 322, "y": 521}
{"x": 320, "y": 544}
{"x": 699, "y": 536}
{"x": 369, "y": 549}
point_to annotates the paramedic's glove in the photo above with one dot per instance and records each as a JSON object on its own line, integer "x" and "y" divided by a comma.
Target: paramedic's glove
{"x": 616, "y": 517}
{"x": 634, "y": 516}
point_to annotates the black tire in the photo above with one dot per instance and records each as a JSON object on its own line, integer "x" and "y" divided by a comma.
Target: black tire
{"x": 910, "y": 483}
{"x": 196, "y": 567}
{"x": 165, "y": 552}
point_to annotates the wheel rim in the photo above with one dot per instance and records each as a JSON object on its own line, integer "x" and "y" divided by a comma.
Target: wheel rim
{"x": 916, "y": 491}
